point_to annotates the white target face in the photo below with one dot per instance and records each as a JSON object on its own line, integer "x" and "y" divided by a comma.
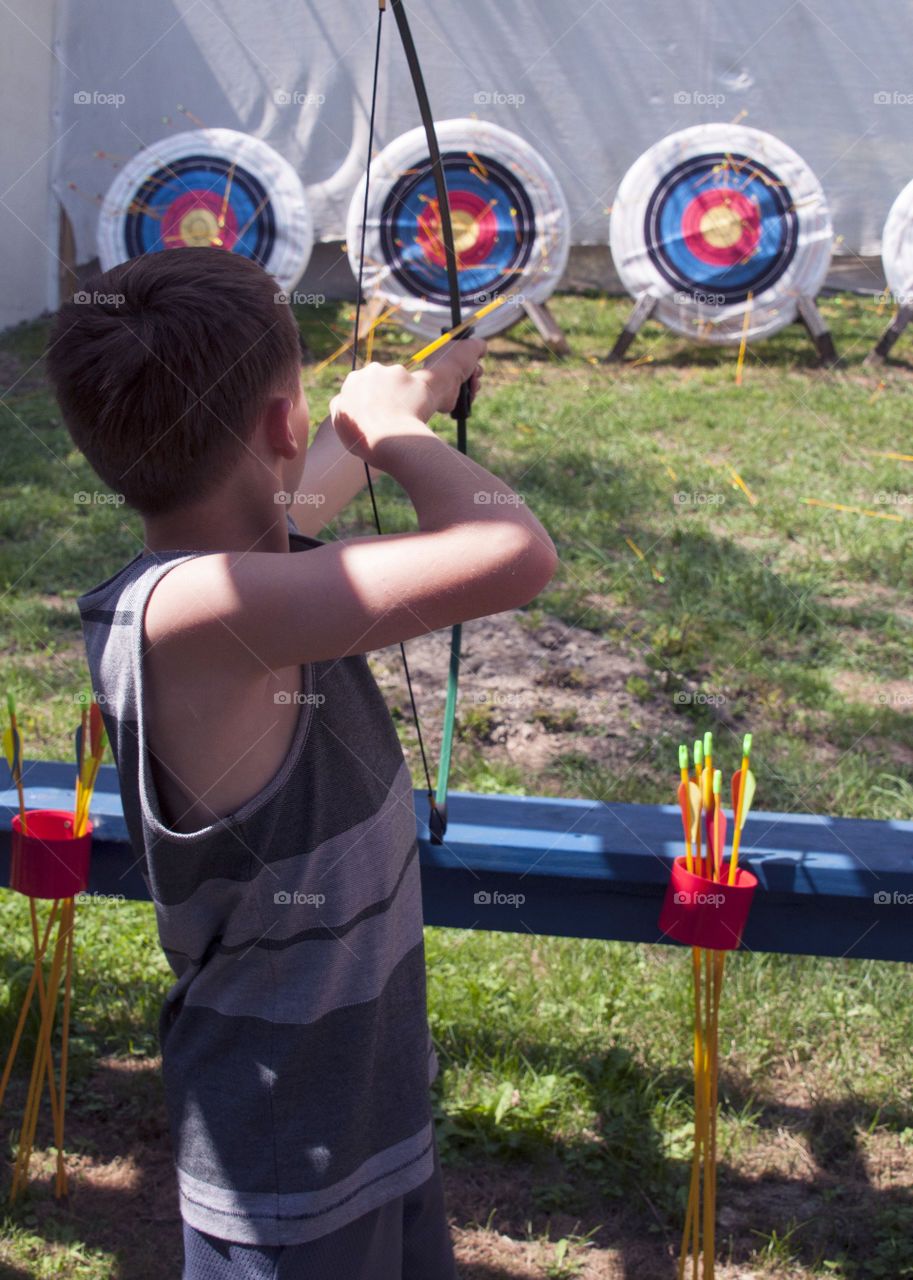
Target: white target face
{"x": 717, "y": 221}
{"x": 209, "y": 187}
{"x": 897, "y": 248}
{"x": 510, "y": 223}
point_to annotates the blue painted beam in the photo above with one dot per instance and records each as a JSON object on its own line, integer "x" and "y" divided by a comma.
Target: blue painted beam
{"x": 827, "y": 886}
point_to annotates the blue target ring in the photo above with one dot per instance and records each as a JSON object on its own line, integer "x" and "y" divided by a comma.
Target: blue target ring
{"x": 511, "y": 227}
{"x": 493, "y": 221}
{"x": 703, "y": 240}
{"x": 214, "y": 188}
{"x": 195, "y": 190}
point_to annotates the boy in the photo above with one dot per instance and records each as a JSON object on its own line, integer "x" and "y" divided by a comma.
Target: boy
{"x": 262, "y": 781}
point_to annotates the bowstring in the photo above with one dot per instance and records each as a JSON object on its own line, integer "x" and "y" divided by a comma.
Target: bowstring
{"x": 358, "y": 300}
{"x": 438, "y": 817}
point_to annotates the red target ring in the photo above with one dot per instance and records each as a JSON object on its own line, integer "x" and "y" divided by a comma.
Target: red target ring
{"x": 213, "y": 188}
{"x": 199, "y": 219}
{"x": 475, "y": 229}
{"x": 721, "y": 227}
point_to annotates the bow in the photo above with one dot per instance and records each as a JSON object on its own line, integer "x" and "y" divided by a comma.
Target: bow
{"x": 437, "y": 819}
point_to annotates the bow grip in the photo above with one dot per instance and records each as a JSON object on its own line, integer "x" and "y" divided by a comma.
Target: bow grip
{"x": 463, "y": 407}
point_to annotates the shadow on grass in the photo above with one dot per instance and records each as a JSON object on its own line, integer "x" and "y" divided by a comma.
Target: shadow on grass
{"x": 122, "y": 1204}
{"x": 619, "y": 1184}
{"x": 615, "y": 1182}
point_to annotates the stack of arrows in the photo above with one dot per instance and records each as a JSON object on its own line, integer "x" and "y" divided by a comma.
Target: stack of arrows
{"x": 63, "y": 911}
{"x": 87, "y": 766}
{"x": 700, "y": 795}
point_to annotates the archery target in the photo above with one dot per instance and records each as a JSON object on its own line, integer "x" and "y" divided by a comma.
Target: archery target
{"x": 897, "y": 247}
{"x": 511, "y": 226}
{"x": 717, "y": 221}
{"x": 209, "y": 187}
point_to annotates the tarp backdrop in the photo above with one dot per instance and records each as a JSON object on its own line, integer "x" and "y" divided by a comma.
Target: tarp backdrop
{"x": 590, "y": 84}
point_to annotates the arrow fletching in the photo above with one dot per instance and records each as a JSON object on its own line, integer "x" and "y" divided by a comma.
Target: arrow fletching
{"x": 96, "y": 732}
{"x": 748, "y": 796}
{"x": 694, "y": 797}
{"x": 11, "y": 751}
{"x": 683, "y": 803}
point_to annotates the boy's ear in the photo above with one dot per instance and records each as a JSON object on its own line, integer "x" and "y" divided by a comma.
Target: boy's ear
{"x": 278, "y": 428}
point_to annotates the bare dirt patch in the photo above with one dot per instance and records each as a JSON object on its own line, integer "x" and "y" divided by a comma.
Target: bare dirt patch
{"x": 530, "y": 692}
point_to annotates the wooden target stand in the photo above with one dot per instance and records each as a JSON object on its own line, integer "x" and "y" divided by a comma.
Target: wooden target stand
{"x": 547, "y": 326}
{"x": 809, "y": 316}
{"x": 880, "y": 351}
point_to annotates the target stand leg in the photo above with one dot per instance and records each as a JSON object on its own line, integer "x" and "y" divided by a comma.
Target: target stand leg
{"x": 820, "y": 334}
{"x": 550, "y": 331}
{"x": 643, "y": 310}
{"x": 890, "y": 336}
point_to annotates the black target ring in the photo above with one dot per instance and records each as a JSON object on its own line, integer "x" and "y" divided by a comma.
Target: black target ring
{"x": 725, "y": 228}
{"x": 505, "y": 247}
{"x": 202, "y": 175}
{"x": 510, "y": 222}
{"x": 688, "y": 272}
{"x": 213, "y": 188}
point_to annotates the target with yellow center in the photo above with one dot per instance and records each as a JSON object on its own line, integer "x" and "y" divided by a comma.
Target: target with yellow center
{"x": 212, "y": 188}
{"x": 717, "y": 220}
{"x": 509, "y": 217}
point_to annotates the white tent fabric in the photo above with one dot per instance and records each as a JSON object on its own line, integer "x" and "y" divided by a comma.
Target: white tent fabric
{"x": 590, "y": 85}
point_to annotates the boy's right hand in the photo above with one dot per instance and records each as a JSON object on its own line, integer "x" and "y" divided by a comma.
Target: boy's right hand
{"x": 384, "y": 402}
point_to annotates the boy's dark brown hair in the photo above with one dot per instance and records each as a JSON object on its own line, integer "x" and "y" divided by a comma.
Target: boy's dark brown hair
{"x": 162, "y": 365}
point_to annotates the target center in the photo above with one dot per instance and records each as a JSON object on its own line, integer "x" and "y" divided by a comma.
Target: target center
{"x": 465, "y": 230}
{"x": 199, "y": 228}
{"x": 721, "y": 226}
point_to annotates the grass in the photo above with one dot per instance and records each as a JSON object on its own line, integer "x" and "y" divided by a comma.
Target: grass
{"x": 568, "y": 1061}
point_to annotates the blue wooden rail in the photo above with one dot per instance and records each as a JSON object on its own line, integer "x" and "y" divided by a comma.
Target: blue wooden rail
{"x": 827, "y": 886}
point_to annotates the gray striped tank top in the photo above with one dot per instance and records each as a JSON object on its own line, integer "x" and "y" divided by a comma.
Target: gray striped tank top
{"x": 295, "y": 1046}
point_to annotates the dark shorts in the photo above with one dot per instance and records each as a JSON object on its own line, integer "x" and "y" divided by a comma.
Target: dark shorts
{"x": 407, "y": 1239}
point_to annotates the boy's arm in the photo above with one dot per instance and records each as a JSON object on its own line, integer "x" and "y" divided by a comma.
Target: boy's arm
{"x": 478, "y": 549}
{"x": 332, "y": 477}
